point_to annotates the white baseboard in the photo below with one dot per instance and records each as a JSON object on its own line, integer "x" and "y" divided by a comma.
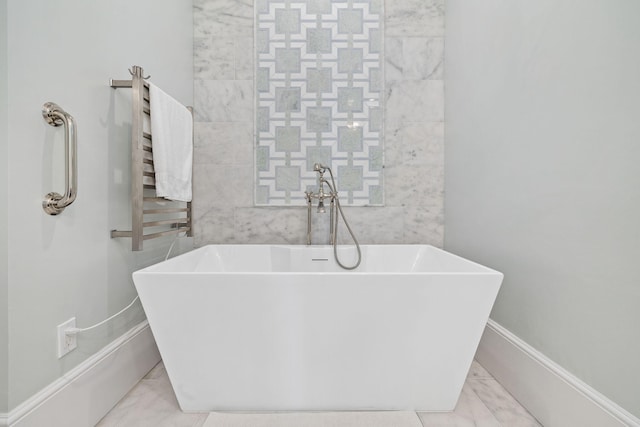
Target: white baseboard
{"x": 554, "y": 396}
{"x": 86, "y": 393}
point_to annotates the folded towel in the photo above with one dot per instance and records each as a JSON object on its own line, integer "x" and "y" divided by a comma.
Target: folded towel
{"x": 172, "y": 133}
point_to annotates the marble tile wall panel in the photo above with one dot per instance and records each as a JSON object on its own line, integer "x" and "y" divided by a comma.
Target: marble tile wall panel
{"x": 223, "y": 143}
{"x": 415, "y": 101}
{"x": 319, "y": 68}
{"x": 413, "y": 158}
{"x": 222, "y": 18}
{"x": 223, "y": 100}
{"x": 421, "y": 18}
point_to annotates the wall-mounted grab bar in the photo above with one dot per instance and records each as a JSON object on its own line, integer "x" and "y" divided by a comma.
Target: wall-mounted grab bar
{"x": 54, "y": 203}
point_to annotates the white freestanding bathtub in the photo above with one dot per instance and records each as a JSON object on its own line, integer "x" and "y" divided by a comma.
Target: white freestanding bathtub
{"x": 271, "y": 327}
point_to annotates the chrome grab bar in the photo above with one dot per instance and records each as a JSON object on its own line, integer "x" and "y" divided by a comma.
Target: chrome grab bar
{"x": 54, "y": 203}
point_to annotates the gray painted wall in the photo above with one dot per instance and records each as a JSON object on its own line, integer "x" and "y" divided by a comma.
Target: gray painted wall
{"x": 543, "y": 177}
{"x": 4, "y": 317}
{"x": 66, "y": 266}
{"x": 223, "y": 172}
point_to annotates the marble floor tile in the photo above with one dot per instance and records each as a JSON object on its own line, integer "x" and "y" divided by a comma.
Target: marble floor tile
{"x": 151, "y": 403}
{"x": 502, "y": 405}
{"x": 158, "y": 371}
{"x": 470, "y": 411}
{"x": 477, "y": 371}
{"x": 483, "y": 403}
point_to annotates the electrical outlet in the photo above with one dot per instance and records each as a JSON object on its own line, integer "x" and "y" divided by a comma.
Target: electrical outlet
{"x": 66, "y": 343}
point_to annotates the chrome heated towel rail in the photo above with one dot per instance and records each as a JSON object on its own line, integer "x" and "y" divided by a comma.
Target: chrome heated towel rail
{"x": 159, "y": 216}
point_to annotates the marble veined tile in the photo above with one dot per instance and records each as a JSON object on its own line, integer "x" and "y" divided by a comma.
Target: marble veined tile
{"x": 504, "y": 407}
{"x": 415, "y": 101}
{"x": 372, "y": 225}
{"x": 415, "y": 143}
{"x": 414, "y": 58}
{"x": 414, "y": 17}
{"x": 223, "y": 143}
{"x": 222, "y": 185}
{"x": 394, "y": 59}
{"x": 414, "y": 185}
{"x": 227, "y": 18}
{"x": 223, "y": 100}
{"x": 244, "y": 58}
{"x": 158, "y": 371}
{"x": 151, "y": 403}
{"x": 423, "y": 58}
{"x": 477, "y": 371}
{"x": 424, "y": 224}
{"x": 271, "y": 225}
{"x": 213, "y": 58}
{"x": 214, "y": 225}
{"x": 469, "y": 412}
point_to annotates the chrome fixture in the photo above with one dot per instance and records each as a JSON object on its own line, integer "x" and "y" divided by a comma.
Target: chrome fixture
{"x": 158, "y": 216}
{"x": 54, "y": 203}
{"x": 334, "y": 210}
{"x": 321, "y": 195}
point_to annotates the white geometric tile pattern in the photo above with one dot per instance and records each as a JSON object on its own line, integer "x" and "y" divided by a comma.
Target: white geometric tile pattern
{"x": 319, "y": 84}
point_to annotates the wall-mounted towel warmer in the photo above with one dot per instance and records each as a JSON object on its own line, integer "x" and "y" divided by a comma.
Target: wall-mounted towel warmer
{"x": 161, "y": 217}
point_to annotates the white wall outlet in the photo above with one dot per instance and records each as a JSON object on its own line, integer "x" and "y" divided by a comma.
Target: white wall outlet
{"x": 66, "y": 343}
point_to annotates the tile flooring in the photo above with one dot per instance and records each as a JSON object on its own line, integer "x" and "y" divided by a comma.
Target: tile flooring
{"x": 483, "y": 403}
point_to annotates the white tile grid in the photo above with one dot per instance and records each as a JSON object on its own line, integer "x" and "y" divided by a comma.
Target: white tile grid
{"x": 483, "y": 403}
{"x": 266, "y": 21}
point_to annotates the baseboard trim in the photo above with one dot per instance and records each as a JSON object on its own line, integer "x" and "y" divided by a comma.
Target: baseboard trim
{"x": 86, "y": 393}
{"x": 99, "y": 382}
{"x": 553, "y": 395}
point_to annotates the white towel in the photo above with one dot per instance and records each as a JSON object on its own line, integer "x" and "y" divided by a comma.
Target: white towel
{"x": 172, "y": 134}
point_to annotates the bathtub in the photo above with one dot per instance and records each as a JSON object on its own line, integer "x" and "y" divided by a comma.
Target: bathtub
{"x": 272, "y": 327}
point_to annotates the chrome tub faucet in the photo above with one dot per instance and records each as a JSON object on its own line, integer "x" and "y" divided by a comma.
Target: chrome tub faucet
{"x": 334, "y": 210}
{"x": 321, "y": 195}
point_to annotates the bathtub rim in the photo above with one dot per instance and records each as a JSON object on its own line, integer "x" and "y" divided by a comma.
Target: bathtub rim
{"x": 157, "y": 268}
